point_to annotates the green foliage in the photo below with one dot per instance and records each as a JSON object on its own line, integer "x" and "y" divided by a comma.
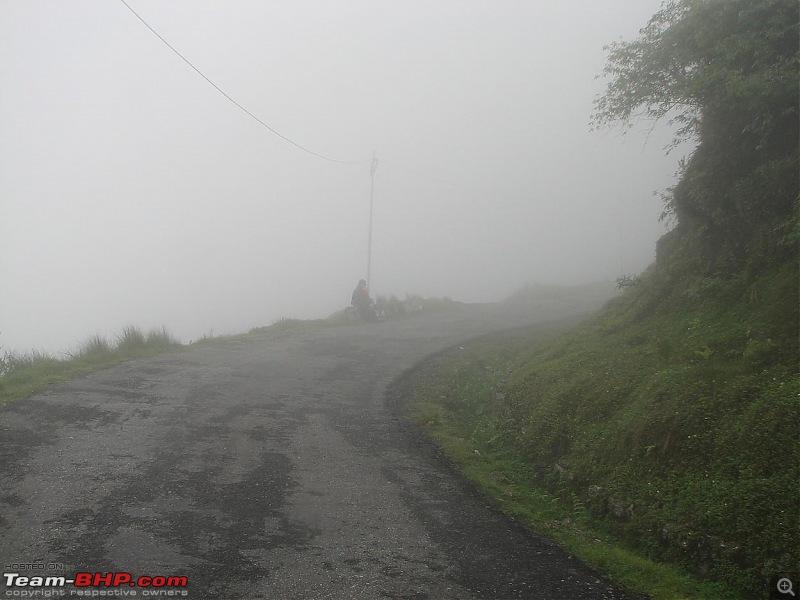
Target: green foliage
{"x": 697, "y": 59}
{"x": 726, "y": 73}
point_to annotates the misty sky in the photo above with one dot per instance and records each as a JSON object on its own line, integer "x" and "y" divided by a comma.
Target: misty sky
{"x": 133, "y": 192}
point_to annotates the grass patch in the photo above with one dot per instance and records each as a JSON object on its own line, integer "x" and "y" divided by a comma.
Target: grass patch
{"x": 96, "y": 347}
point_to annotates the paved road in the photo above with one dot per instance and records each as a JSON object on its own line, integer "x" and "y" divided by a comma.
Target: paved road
{"x": 265, "y": 468}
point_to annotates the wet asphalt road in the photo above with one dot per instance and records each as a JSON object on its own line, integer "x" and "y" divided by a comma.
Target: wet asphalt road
{"x": 266, "y": 468}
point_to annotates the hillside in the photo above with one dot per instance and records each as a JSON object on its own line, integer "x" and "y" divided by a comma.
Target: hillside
{"x": 677, "y": 428}
{"x": 669, "y": 420}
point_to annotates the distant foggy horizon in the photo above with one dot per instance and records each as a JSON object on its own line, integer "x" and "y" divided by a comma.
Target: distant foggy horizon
{"x": 134, "y": 193}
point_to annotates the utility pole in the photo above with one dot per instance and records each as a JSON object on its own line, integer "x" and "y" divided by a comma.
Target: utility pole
{"x": 371, "y": 199}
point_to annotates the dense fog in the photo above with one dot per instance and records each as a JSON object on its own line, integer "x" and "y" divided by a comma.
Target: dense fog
{"x": 134, "y": 189}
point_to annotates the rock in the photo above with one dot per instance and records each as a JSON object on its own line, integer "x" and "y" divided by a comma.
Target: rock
{"x": 595, "y": 491}
{"x": 621, "y": 510}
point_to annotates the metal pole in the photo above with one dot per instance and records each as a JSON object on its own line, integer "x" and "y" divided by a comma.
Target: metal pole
{"x": 371, "y": 201}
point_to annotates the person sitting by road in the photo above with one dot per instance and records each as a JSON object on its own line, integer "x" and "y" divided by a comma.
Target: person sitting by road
{"x": 363, "y": 303}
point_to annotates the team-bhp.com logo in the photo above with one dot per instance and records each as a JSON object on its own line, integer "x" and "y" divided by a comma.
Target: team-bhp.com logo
{"x": 97, "y": 584}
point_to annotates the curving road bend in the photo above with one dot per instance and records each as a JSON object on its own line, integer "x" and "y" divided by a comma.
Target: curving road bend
{"x": 265, "y": 468}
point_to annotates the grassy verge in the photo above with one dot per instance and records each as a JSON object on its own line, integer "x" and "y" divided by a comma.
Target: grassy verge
{"x": 464, "y": 400}
{"x": 24, "y": 374}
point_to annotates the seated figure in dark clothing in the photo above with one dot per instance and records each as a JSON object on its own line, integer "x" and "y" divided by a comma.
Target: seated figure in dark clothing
{"x": 363, "y": 303}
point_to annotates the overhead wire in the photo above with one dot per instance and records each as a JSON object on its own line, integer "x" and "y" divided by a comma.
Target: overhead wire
{"x": 234, "y": 102}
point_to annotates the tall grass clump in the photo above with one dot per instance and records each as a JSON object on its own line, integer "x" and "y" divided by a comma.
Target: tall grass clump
{"x": 96, "y": 347}
{"x": 131, "y": 340}
{"x": 160, "y": 339}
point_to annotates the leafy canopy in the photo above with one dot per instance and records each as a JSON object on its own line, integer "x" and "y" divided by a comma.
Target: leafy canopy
{"x": 700, "y": 56}
{"x": 725, "y": 73}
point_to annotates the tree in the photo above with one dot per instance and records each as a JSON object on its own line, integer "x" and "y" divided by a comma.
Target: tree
{"x": 725, "y": 73}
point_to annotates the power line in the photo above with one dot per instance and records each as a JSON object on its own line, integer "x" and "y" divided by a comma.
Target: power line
{"x": 234, "y": 102}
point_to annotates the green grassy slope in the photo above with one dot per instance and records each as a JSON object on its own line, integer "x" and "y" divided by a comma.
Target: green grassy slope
{"x": 677, "y": 428}
{"x": 665, "y": 426}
